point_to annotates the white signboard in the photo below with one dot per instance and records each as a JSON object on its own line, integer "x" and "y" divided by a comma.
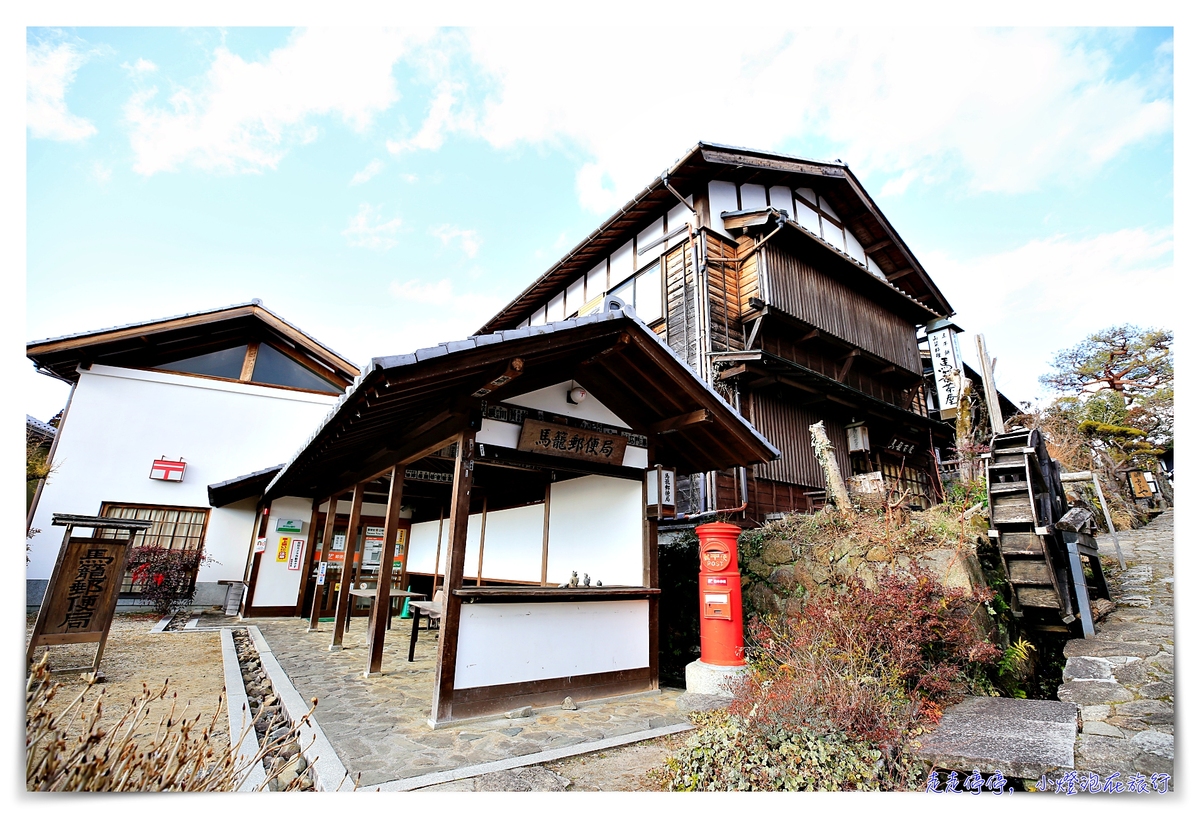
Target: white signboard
{"x": 321, "y": 573}
{"x": 947, "y": 368}
{"x": 260, "y": 545}
{"x": 294, "y": 555}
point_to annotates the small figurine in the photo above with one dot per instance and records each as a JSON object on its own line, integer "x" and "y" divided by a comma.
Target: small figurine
{"x": 599, "y": 584}
{"x": 564, "y": 585}
{"x": 574, "y": 583}
{"x": 587, "y": 580}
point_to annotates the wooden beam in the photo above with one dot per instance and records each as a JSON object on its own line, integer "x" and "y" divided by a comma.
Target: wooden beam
{"x": 901, "y": 273}
{"x": 342, "y": 609}
{"x": 847, "y": 362}
{"x": 879, "y": 245}
{"x": 383, "y": 589}
{"x": 437, "y": 558}
{"x": 810, "y": 335}
{"x": 731, "y": 372}
{"x": 264, "y": 518}
{"x": 546, "y": 534}
{"x": 326, "y": 546}
{"x": 304, "y": 558}
{"x": 460, "y": 509}
{"x": 248, "y": 361}
{"x": 680, "y": 421}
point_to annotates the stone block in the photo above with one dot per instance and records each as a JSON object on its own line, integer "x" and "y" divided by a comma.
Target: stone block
{"x": 712, "y": 680}
{"x": 1132, "y": 673}
{"x": 1101, "y": 728}
{"x": 777, "y": 553}
{"x": 1095, "y": 712}
{"x": 1080, "y": 668}
{"x": 1093, "y": 692}
{"x": 1104, "y": 754}
{"x": 1094, "y": 647}
{"x": 1157, "y": 690}
{"x": 1155, "y": 743}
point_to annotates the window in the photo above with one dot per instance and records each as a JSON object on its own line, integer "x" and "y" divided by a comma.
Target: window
{"x": 644, "y": 293}
{"x": 175, "y": 528}
{"x": 273, "y": 367}
{"x": 227, "y": 363}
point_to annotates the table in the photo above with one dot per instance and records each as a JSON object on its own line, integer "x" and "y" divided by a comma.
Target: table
{"x": 431, "y": 610}
{"x": 371, "y": 593}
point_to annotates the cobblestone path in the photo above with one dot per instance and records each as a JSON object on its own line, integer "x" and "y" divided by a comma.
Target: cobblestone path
{"x": 1124, "y": 680}
{"x": 378, "y": 725}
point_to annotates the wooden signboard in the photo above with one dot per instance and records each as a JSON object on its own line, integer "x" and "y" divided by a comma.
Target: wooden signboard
{"x": 82, "y": 595}
{"x": 1139, "y": 485}
{"x": 565, "y": 441}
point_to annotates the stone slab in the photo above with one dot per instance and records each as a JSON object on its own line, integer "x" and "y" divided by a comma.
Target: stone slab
{"x": 712, "y": 680}
{"x": 1022, "y": 738}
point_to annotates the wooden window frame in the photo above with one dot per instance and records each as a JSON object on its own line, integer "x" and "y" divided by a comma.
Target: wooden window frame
{"x": 107, "y": 505}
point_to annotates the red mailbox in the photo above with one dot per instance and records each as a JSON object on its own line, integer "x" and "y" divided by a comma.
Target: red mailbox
{"x": 721, "y": 641}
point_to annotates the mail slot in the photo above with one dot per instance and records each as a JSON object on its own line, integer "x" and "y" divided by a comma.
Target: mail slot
{"x": 716, "y": 606}
{"x": 721, "y": 638}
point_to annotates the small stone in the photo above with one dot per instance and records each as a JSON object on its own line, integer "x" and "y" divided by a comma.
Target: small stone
{"x": 519, "y": 713}
{"x": 568, "y": 704}
{"x": 1155, "y": 743}
{"x": 1101, "y": 728}
{"x": 1080, "y": 668}
{"x": 306, "y": 783}
{"x": 877, "y": 554}
{"x": 1095, "y": 712}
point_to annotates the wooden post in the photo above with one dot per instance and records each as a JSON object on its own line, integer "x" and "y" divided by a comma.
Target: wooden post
{"x": 437, "y": 558}
{"x": 1112, "y": 529}
{"x": 995, "y": 417}
{"x": 264, "y": 517}
{"x": 546, "y": 535}
{"x": 650, "y": 573}
{"x": 828, "y": 460}
{"x": 383, "y": 590}
{"x": 482, "y": 535}
{"x": 326, "y": 546}
{"x": 460, "y": 509}
{"x": 307, "y": 555}
{"x": 342, "y": 609}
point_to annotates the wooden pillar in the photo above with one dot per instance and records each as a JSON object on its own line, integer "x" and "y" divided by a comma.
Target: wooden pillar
{"x": 342, "y": 609}
{"x": 326, "y": 546}
{"x": 546, "y": 535}
{"x": 383, "y": 598}
{"x": 304, "y": 558}
{"x": 482, "y": 540}
{"x": 460, "y": 509}
{"x": 260, "y": 530}
{"x": 437, "y": 558}
{"x": 650, "y": 573}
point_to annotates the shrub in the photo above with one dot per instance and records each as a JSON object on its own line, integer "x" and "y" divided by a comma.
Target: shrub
{"x": 71, "y": 752}
{"x": 166, "y": 578}
{"x": 727, "y": 753}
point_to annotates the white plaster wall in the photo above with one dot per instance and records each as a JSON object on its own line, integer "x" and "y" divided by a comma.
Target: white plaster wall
{"x": 228, "y": 540}
{"x": 596, "y": 528}
{"x": 503, "y": 643}
{"x": 512, "y": 549}
{"x": 808, "y": 218}
{"x": 121, "y": 420}
{"x": 781, "y": 199}
{"x": 276, "y": 585}
{"x": 754, "y": 197}
{"x": 621, "y": 264}
{"x": 722, "y": 197}
{"x": 554, "y": 399}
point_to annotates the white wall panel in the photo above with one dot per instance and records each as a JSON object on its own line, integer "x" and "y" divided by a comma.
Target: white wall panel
{"x": 621, "y": 264}
{"x": 499, "y": 433}
{"x": 554, "y": 309}
{"x": 554, "y": 399}
{"x": 781, "y": 199}
{"x": 597, "y": 280}
{"x": 276, "y": 585}
{"x": 722, "y": 197}
{"x": 807, "y": 194}
{"x": 512, "y": 547}
{"x": 854, "y": 248}
{"x": 596, "y": 528}
{"x": 754, "y": 197}
{"x": 422, "y": 546}
{"x": 808, "y": 218}
{"x": 832, "y": 234}
{"x": 828, "y": 208}
{"x": 649, "y": 243}
{"x": 574, "y": 298}
{"x": 504, "y": 643}
{"x": 874, "y": 268}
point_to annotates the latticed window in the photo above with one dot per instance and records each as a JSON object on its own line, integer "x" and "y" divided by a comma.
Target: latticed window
{"x": 174, "y": 528}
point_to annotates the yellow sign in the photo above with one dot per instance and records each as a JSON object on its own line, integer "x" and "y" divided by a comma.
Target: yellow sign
{"x": 282, "y": 554}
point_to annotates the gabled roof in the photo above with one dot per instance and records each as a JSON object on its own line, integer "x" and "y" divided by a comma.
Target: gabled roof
{"x": 242, "y": 487}
{"x": 403, "y": 405}
{"x": 38, "y": 428}
{"x": 708, "y": 161}
{"x": 150, "y": 343}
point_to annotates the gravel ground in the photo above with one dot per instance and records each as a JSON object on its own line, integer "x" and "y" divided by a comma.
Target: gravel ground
{"x": 190, "y": 664}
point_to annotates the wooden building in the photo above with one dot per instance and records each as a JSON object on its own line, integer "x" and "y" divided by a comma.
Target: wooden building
{"x": 781, "y": 284}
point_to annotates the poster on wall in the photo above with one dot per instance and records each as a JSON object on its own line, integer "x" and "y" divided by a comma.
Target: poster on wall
{"x": 281, "y": 554}
{"x": 294, "y": 554}
{"x": 260, "y": 545}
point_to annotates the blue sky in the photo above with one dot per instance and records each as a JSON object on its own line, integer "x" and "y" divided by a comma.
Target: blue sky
{"x": 385, "y": 190}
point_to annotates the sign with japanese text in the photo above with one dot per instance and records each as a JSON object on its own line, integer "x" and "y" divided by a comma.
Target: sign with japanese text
{"x": 82, "y": 595}
{"x": 321, "y": 568}
{"x": 295, "y": 554}
{"x": 947, "y": 368}
{"x": 565, "y": 441}
{"x": 260, "y": 545}
{"x": 660, "y": 492}
{"x": 171, "y": 470}
{"x": 286, "y": 526}
{"x": 281, "y": 554}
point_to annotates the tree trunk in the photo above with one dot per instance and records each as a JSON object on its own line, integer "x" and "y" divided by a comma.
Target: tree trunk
{"x": 964, "y": 437}
{"x": 835, "y": 487}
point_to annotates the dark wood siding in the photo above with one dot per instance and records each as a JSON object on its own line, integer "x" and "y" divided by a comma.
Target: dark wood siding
{"x": 785, "y": 423}
{"x": 723, "y": 284}
{"x": 681, "y": 323}
{"x": 830, "y": 305}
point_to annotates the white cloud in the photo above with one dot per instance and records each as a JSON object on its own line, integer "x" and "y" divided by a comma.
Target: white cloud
{"x": 1009, "y": 109}
{"x": 1051, "y": 293}
{"x": 141, "y": 66}
{"x": 436, "y": 311}
{"x": 467, "y": 239}
{"x": 101, "y": 172}
{"x": 369, "y": 229}
{"x": 369, "y": 172}
{"x": 51, "y": 68}
{"x": 244, "y": 115}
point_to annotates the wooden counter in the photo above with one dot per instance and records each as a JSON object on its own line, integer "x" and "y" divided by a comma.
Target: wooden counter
{"x": 536, "y": 593}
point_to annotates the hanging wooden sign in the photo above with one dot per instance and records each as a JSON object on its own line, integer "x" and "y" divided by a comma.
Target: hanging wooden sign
{"x": 566, "y": 441}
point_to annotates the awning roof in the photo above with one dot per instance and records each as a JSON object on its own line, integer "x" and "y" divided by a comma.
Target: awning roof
{"x": 150, "y": 343}
{"x": 242, "y": 487}
{"x": 404, "y": 406}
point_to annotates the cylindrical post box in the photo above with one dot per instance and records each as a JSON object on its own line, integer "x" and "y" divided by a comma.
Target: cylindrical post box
{"x": 721, "y": 639}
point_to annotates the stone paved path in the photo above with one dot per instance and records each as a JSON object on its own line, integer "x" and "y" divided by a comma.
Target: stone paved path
{"x": 1124, "y": 679}
{"x": 378, "y": 725}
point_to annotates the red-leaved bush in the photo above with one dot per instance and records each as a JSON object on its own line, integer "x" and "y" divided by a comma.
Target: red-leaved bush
{"x": 166, "y": 578}
{"x": 873, "y": 664}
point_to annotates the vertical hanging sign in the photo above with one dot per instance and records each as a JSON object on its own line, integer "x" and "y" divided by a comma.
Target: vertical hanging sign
{"x": 660, "y": 492}
{"x": 294, "y": 554}
{"x": 281, "y": 554}
{"x": 947, "y": 369}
